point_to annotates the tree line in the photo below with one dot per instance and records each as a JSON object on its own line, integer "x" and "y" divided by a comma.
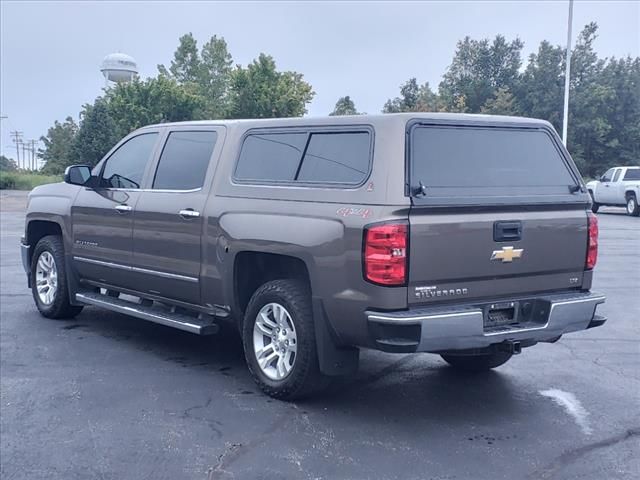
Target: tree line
{"x": 485, "y": 76}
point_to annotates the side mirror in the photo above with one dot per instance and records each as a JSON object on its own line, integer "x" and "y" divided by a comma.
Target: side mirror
{"x": 77, "y": 174}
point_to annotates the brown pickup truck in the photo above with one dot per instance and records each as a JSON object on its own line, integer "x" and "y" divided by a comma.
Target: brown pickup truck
{"x": 462, "y": 235}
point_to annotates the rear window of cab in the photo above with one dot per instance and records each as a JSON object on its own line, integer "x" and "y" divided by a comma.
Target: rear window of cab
{"x": 340, "y": 157}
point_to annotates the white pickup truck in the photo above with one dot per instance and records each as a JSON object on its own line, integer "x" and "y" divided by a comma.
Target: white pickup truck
{"x": 619, "y": 186}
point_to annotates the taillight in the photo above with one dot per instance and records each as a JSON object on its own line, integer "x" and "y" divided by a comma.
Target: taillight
{"x": 592, "y": 245}
{"x": 385, "y": 254}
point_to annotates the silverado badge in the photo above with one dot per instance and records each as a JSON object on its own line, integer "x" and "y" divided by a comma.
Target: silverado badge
{"x": 507, "y": 254}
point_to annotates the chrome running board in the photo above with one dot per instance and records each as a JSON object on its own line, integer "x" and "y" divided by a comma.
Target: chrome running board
{"x": 199, "y": 325}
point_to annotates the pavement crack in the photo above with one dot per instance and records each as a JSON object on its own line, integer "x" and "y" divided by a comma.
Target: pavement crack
{"x": 234, "y": 451}
{"x": 598, "y": 362}
{"x": 212, "y": 424}
{"x": 572, "y": 456}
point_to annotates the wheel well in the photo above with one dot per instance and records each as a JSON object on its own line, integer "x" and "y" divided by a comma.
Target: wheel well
{"x": 41, "y": 228}
{"x": 628, "y": 194}
{"x": 253, "y": 269}
{"x": 37, "y": 229}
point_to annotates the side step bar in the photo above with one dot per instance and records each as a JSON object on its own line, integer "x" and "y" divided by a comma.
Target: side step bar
{"x": 150, "y": 313}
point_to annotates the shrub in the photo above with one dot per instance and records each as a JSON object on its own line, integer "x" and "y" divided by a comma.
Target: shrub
{"x": 25, "y": 181}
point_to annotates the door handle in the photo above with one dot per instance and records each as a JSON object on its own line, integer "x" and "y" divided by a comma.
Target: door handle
{"x": 189, "y": 213}
{"x": 123, "y": 208}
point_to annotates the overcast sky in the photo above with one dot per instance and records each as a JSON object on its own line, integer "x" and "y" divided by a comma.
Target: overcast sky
{"x": 51, "y": 51}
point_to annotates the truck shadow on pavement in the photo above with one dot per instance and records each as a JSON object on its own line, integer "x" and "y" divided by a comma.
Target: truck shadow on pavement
{"x": 387, "y": 388}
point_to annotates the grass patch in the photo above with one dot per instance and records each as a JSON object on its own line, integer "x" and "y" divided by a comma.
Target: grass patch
{"x": 24, "y": 180}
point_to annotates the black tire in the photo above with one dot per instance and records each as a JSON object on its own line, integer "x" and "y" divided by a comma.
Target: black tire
{"x": 632, "y": 206}
{"x": 60, "y": 306}
{"x": 304, "y": 377}
{"x": 477, "y": 363}
{"x": 595, "y": 206}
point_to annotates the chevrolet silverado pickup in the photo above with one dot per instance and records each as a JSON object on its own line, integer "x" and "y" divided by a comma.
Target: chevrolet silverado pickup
{"x": 467, "y": 236}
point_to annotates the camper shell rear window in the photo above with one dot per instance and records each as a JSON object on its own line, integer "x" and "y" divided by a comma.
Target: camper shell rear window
{"x": 450, "y": 164}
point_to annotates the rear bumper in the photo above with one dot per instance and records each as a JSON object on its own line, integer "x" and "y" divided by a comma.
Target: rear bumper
{"x": 462, "y": 327}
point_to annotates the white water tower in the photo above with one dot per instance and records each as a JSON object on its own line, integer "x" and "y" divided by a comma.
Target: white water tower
{"x": 119, "y": 68}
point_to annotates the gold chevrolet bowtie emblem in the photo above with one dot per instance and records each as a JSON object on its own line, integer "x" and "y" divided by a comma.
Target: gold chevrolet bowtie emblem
{"x": 507, "y": 254}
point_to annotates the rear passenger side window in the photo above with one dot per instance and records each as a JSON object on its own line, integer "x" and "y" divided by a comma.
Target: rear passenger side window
{"x": 336, "y": 157}
{"x": 305, "y": 157}
{"x": 184, "y": 160}
{"x": 272, "y": 157}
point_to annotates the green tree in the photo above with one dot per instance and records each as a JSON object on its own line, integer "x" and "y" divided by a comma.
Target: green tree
{"x": 541, "y": 88}
{"x": 98, "y": 132}
{"x": 206, "y": 73}
{"x": 7, "y": 164}
{"x": 479, "y": 68}
{"x": 413, "y": 98}
{"x": 215, "y": 77}
{"x": 590, "y": 103}
{"x": 155, "y": 100}
{"x": 57, "y": 153}
{"x": 185, "y": 66}
{"x": 261, "y": 91}
{"x": 501, "y": 103}
{"x": 344, "y": 106}
{"x": 622, "y": 143}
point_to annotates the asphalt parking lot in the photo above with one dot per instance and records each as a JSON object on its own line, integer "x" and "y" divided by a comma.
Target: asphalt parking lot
{"x": 110, "y": 397}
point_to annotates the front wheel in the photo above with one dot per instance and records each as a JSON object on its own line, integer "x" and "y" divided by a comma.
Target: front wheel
{"x": 632, "y": 206}
{"x": 594, "y": 205}
{"x": 279, "y": 340}
{"x": 477, "y": 363}
{"x": 49, "y": 284}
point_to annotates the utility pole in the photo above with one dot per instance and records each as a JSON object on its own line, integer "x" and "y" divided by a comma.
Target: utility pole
{"x": 25, "y": 161}
{"x": 17, "y": 139}
{"x": 34, "y": 157}
{"x": 567, "y": 77}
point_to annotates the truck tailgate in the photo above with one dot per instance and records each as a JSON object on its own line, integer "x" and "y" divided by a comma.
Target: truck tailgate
{"x": 458, "y": 256}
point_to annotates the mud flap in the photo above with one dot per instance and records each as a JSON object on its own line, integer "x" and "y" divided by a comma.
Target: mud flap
{"x": 333, "y": 359}
{"x": 73, "y": 284}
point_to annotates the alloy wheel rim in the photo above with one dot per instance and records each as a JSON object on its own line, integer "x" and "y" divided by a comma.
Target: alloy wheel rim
{"x": 275, "y": 342}
{"x": 46, "y": 278}
{"x": 631, "y": 205}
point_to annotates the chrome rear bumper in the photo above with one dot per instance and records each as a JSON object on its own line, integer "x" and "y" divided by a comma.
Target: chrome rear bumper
{"x": 459, "y": 328}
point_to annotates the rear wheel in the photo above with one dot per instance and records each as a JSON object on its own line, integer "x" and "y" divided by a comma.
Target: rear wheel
{"x": 632, "y": 206}
{"x": 49, "y": 284}
{"x": 279, "y": 340}
{"x": 477, "y": 363}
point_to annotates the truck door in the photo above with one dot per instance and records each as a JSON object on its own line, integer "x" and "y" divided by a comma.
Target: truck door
{"x": 604, "y": 186}
{"x": 168, "y": 222}
{"x": 102, "y": 217}
{"x": 616, "y": 191}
